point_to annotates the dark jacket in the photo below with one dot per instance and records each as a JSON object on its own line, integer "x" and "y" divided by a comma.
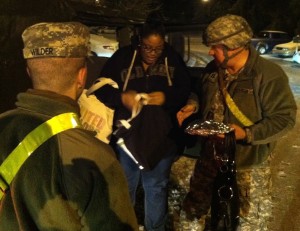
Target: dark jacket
{"x": 154, "y": 79}
{"x": 263, "y": 94}
{"x": 71, "y": 182}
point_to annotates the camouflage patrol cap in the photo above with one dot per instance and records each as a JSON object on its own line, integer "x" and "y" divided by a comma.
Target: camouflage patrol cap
{"x": 233, "y": 31}
{"x": 68, "y": 39}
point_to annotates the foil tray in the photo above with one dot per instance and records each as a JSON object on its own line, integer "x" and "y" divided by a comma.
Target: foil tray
{"x": 206, "y": 128}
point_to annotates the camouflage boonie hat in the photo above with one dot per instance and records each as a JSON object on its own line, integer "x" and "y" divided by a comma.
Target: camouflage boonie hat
{"x": 68, "y": 39}
{"x": 230, "y": 30}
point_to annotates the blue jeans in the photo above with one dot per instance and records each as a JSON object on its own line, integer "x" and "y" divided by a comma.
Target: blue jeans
{"x": 155, "y": 185}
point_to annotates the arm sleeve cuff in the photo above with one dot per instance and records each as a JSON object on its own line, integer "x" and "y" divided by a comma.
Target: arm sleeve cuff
{"x": 248, "y": 138}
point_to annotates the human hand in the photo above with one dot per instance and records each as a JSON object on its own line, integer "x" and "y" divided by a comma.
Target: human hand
{"x": 156, "y": 98}
{"x": 128, "y": 99}
{"x": 185, "y": 112}
{"x": 239, "y": 132}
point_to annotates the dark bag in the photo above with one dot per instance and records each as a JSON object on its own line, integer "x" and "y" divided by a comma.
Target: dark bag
{"x": 225, "y": 200}
{"x": 147, "y": 139}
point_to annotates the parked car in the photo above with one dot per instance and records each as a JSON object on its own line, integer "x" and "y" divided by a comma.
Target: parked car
{"x": 267, "y": 39}
{"x": 287, "y": 49}
{"x": 296, "y": 56}
{"x": 103, "y": 46}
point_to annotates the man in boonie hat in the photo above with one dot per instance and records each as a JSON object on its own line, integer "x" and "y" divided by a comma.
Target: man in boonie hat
{"x": 252, "y": 95}
{"x": 54, "y": 175}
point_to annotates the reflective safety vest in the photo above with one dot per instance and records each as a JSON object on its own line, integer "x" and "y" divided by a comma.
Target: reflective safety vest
{"x": 30, "y": 143}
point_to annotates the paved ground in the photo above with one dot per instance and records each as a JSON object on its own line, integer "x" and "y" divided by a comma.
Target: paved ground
{"x": 286, "y": 178}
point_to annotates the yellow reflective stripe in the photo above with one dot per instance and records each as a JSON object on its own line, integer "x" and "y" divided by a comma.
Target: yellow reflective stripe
{"x": 31, "y": 142}
{"x": 235, "y": 110}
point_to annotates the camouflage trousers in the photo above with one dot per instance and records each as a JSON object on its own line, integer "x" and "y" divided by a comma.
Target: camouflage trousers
{"x": 254, "y": 186}
{"x": 255, "y": 197}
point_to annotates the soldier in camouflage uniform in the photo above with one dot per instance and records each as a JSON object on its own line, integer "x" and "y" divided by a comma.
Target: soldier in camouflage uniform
{"x": 260, "y": 90}
{"x": 72, "y": 181}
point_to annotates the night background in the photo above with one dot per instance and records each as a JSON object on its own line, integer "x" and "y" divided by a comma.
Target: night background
{"x": 17, "y": 15}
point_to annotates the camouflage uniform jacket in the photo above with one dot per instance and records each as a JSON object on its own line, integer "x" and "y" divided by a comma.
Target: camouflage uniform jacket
{"x": 263, "y": 94}
{"x": 71, "y": 182}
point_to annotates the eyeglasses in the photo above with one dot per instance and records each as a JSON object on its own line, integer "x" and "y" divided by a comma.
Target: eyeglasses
{"x": 149, "y": 49}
